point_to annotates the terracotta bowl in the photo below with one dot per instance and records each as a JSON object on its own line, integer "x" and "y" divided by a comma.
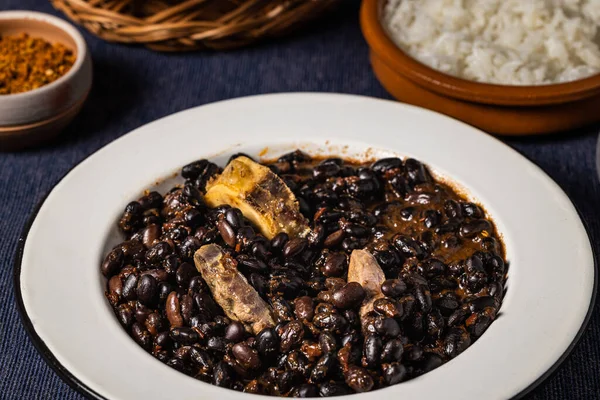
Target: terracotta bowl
{"x": 32, "y": 117}
{"x": 500, "y": 109}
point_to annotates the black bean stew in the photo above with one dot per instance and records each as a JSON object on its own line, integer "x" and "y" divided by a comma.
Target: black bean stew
{"x": 443, "y": 261}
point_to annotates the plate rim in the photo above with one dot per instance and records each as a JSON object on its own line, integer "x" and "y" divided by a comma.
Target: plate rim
{"x": 89, "y": 393}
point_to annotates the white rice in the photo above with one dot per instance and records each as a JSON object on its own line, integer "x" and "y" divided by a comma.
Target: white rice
{"x": 510, "y": 42}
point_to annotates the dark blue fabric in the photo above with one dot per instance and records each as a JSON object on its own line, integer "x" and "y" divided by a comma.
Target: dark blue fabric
{"x": 133, "y": 86}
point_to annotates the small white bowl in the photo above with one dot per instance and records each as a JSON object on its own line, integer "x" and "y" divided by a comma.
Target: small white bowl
{"x": 31, "y": 117}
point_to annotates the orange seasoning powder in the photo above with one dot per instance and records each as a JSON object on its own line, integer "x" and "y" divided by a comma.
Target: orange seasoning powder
{"x": 28, "y": 63}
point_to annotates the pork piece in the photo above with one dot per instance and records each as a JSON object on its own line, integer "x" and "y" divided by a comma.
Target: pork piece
{"x": 365, "y": 270}
{"x": 231, "y": 290}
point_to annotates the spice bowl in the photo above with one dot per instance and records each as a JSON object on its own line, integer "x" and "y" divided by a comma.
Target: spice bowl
{"x": 498, "y": 109}
{"x": 31, "y": 117}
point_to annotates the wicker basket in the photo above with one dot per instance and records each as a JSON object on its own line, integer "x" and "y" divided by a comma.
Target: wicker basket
{"x": 180, "y": 25}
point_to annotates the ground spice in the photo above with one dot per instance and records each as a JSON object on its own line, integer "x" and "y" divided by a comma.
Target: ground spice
{"x": 27, "y": 63}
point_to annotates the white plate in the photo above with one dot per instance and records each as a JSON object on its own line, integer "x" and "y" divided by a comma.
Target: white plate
{"x": 551, "y": 282}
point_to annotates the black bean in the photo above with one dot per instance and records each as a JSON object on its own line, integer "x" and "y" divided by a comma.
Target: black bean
{"x": 185, "y": 273}
{"x": 388, "y": 308}
{"x": 129, "y": 287}
{"x": 304, "y": 207}
{"x": 387, "y": 259}
{"x": 251, "y": 264}
{"x": 480, "y": 303}
{"x": 326, "y": 170}
{"x": 335, "y": 264}
{"x": 294, "y": 247}
{"x": 196, "y": 284}
{"x": 234, "y": 218}
{"x": 206, "y": 305}
{"x": 200, "y": 358}
{"x": 125, "y": 314}
{"x": 146, "y": 290}
{"x": 113, "y": 262}
{"x": 192, "y": 194}
{"x": 193, "y": 170}
{"x": 134, "y": 208}
{"x": 132, "y": 249}
{"x": 356, "y": 230}
{"x": 388, "y": 327}
{"x": 173, "y": 310}
{"x": 416, "y": 172}
{"x": 188, "y": 247}
{"x": 330, "y": 321}
{"x": 151, "y": 200}
{"x": 216, "y": 344}
{"x": 222, "y": 375}
{"x": 177, "y": 364}
{"x": 184, "y": 335}
{"x": 430, "y": 362}
{"x": 408, "y": 304}
{"x": 496, "y": 290}
{"x": 414, "y": 326}
{"x": 394, "y": 373}
{"x": 384, "y": 164}
{"x": 163, "y": 340}
{"x": 317, "y": 236}
{"x": 158, "y": 252}
{"x": 358, "y": 379}
{"x": 334, "y": 239}
{"x": 141, "y": 335}
{"x": 286, "y": 285}
{"x": 260, "y": 250}
{"x": 458, "y": 317}
{"x": 477, "y": 324}
{"x": 393, "y": 287}
{"x": 472, "y": 210}
{"x": 115, "y": 289}
{"x": 352, "y": 243}
{"x": 141, "y": 313}
{"x": 408, "y": 247}
{"x": 457, "y": 340}
{"x": 303, "y": 308}
{"x": 447, "y": 304}
{"x": 475, "y": 227}
{"x": 227, "y": 233}
{"x": 413, "y": 352}
{"x": 363, "y": 188}
{"x": 163, "y": 289}
{"x": 279, "y": 241}
{"x": 435, "y": 324}
{"x": 433, "y": 267}
{"x": 296, "y": 156}
{"x": 349, "y": 296}
{"x": 235, "y": 332}
{"x": 246, "y": 356}
{"x": 305, "y": 390}
{"x": 323, "y": 368}
{"x": 187, "y": 307}
{"x": 327, "y": 342}
{"x": 267, "y": 342}
{"x": 423, "y": 296}
{"x": 292, "y": 334}
{"x": 330, "y": 389}
{"x": 431, "y": 218}
{"x": 372, "y": 350}
{"x": 392, "y": 351}
{"x": 259, "y": 284}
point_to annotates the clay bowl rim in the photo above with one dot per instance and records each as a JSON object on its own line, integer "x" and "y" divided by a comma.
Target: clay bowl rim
{"x": 509, "y": 95}
{"x": 58, "y": 24}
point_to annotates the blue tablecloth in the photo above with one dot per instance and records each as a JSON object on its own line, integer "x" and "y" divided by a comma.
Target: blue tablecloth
{"x": 133, "y": 86}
